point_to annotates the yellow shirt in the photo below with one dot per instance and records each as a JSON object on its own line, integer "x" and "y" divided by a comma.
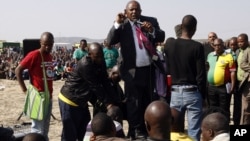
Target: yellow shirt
{"x": 176, "y": 136}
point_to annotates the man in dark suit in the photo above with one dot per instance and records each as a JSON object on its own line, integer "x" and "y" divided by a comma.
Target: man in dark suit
{"x": 137, "y": 61}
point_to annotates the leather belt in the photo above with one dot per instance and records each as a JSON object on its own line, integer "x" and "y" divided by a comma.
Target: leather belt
{"x": 192, "y": 89}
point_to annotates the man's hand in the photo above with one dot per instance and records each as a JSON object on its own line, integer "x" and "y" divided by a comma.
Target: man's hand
{"x": 109, "y": 106}
{"x": 120, "y": 18}
{"x": 147, "y": 26}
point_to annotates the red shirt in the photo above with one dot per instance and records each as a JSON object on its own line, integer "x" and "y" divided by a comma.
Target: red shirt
{"x": 33, "y": 62}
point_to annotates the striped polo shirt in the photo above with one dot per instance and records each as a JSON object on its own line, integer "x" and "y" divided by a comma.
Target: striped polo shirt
{"x": 220, "y": 68}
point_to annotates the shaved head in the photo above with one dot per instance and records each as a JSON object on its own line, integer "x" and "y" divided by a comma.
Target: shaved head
{"x": 47, "y": 36}
{"x": 216, "y": 121}
{"x": 158, "y": 119}
{"x": 189, "y": 23}
{"x": 46, "y": 42}
{"x": 96, "y": 53}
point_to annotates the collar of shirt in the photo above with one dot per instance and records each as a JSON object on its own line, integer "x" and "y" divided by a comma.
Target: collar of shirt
{"x": 224, "y": 53}
{"x": 132, "y": 23}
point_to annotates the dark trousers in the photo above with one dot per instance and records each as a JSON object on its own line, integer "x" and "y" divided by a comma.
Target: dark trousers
{"x": 218, "y": 97}
{"x": 74, "y": 121}
{"x": 139, "y": 92}
{"x": 237, "y": 101}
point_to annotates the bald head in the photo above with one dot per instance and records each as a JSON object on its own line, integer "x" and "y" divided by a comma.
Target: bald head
{"x": 157, "y": 111}
{"x": 158, "y": 119}
{"x": 34, "y": 137}
{"x": 47, "y": 36}
{"x": 189, "y": 23}
{"x": 217, "y": 122}
{"x": 95, "y": 48}
{"x": 102, "y": 124}
{"x": 133, "y": 10}
{"x": 133, "y": 2}
{"x": 96, "y": 53}
{"x": 177, "y": 30}
{"x": 211, "y": 37}
{"x": 46, "y": 42}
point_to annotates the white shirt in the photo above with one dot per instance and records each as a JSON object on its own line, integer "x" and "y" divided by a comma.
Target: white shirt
{"x": 222, "y": 137}
{"x": 142, "y": 56}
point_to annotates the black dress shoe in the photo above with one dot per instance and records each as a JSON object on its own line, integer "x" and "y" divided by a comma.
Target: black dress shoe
{"x": 137, "y": 134}
{"x": 140, "y": 134}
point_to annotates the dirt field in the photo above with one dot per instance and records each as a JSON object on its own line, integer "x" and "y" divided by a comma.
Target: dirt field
{"x": 12, "y": 101}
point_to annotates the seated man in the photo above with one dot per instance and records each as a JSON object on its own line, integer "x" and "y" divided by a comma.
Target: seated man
{"x": 59, "y": 71}
{"x": 6, "y": 134}
{"x": 103, "y": 128}
{"x": 158, "y": 120}
{"x": 34, "y": 137}
{"x": 115, "y": 113}
{"x": 115, "y": 77}
{"x": 215, "y": 127}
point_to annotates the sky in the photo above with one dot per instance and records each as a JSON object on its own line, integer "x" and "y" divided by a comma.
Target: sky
{"x": 24, "y": 19}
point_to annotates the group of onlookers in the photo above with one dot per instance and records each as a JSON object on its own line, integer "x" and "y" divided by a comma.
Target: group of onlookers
{"x": 201, "y": 79}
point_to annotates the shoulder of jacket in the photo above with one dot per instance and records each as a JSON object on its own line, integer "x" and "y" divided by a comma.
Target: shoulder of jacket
{"x": 147, "y": 18}
{"x": 248, "y": 48}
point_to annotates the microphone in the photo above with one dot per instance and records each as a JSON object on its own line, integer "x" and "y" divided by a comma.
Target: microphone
{"x": 138, "y": 22}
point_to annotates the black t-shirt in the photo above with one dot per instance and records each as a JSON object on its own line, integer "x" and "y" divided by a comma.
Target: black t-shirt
{"x": 186, "y": 63}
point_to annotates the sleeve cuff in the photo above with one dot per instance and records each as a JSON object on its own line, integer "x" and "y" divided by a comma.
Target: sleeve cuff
{"x": 116, "y": 25}
{"x": 153, "y": 33}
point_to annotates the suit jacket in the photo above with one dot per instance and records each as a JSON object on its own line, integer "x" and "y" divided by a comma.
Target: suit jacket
{"x": 245, "y": 65}
{"x": 124, "y": 36}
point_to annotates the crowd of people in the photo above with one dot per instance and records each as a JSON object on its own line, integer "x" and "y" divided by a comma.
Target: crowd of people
{"x": 203, "y": 76}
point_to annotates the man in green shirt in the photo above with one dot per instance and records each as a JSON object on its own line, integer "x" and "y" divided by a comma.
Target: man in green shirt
{"x": 244, "y": 86}
{"x": 81, "y": 51}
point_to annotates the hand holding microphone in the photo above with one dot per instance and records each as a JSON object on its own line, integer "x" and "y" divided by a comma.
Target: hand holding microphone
{"x": 146, "y": 26}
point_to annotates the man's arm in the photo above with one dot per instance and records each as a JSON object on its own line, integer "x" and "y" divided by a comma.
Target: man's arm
{"x": 75, "y": 56}
{"x": 19, "y": 71}
{"x": 232, "y": 68}
{"x": 201, "y": 72}
{"x": 233, "y": 80}
{"x": 244, "y": 64}
{"x": 113, "y": 36}
{"x": 158, "y": 34}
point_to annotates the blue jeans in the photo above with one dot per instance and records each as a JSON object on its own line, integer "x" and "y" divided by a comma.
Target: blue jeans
{"x": 190, "y": 101}
{"x": 42, "y": 126}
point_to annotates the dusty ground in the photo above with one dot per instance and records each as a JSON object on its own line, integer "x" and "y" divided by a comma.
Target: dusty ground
{"x": 12, "y": 101}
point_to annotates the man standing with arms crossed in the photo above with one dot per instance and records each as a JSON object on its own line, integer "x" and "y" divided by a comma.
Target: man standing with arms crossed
{"x": 186, "y": 65}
